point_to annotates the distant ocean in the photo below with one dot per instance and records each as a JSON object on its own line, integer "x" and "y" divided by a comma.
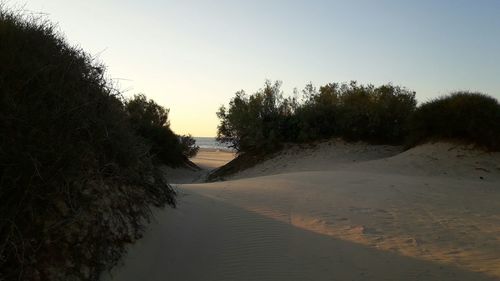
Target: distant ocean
{"x": 205, "y": 142}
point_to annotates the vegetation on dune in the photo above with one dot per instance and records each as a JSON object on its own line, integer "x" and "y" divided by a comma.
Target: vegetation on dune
{"x": 356, "y": 112}
{"x": 464, "y": 116}
{"x": 256, "y": 122}
{"x": 77, "y": 176}
{"x": 259, "y": 124}
{"x": 262, "y": 122}
{"x": 188, "y": 146}
{"x": 150, "y": 121}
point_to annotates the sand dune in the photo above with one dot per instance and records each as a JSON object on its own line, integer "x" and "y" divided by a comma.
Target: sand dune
{"x": 327, "y": 155}
{"x": 433, "y": 159}
{"x": 207, "y": 159}
{"x": 365, "y": 213}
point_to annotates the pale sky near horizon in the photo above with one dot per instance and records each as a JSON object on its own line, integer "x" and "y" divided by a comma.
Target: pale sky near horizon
{"x": 192, "y": 56}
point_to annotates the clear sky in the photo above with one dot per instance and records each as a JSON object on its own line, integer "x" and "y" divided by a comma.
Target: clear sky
{"x": 192, "y": 56}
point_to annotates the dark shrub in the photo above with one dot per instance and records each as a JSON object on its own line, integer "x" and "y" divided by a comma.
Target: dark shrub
{"x": 261, "y": 122}
{"x": 317, "y": 117}
{"x": 463, "y": 116}
{"x": 150, "y": 121}
{"x": 372, "y": 114}
{"x": 189, "y": 147}
{"x": 76, "y": 183}
{"x": 253, "y": 123}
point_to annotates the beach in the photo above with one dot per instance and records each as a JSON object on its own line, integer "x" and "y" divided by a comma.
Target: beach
{"x": 332, "y": 211}
{"x": 249, "y": 140}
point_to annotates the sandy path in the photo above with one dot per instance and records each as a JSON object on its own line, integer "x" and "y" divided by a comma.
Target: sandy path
{"x": 209, "y": 159}
{"x": 206, "y": 159}
{"x": 426, "y": 214}
{"x": 216, "y": 241}
{"x": 433, "y": 219}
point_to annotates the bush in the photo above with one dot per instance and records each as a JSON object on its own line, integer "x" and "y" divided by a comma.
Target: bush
{"x": 253, "y": 123}
{"x": 378, "y": 115}
{"x": 317, "y": 117}
{"x": 464, "y": 116}
{"x": 150, "y": 121}
{"x": 189, "y": 147}
{"x": 261, "y": 122}
{"x": 76, "y": 183}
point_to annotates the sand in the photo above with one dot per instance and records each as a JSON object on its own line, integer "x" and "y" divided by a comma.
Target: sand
{"x": 335, "y": 211}
{"x": 207, "y": 159}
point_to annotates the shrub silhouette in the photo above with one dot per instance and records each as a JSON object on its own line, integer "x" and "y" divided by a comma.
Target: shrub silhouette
{"x": 465, "y": 116}
{"x": 253, "y": 123}
{"x": 189, "y": 147}
{"x": 150, "y": 121}
{"x": 76, "y": 182}
{"x": 261, "y": 122}
{"x": 378, "y": 115}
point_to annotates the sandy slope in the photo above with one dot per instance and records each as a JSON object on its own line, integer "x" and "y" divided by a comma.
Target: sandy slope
{"x": 365, "y": 213}
{"x": 327, "y": 155}
{"x": 206, "y": 159}
{"x": 209, "y": 159}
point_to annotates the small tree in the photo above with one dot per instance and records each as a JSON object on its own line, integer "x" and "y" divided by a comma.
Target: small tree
{"x": 253, "y": 123}
{"x": 150, "y": 121}
{"x": 189, "y": 147}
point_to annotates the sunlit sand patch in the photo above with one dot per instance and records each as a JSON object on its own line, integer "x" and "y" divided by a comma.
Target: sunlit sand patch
{"x": 455, "y": 238}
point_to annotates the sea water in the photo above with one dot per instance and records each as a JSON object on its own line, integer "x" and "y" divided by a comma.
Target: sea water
{"x": 208, "y": 142}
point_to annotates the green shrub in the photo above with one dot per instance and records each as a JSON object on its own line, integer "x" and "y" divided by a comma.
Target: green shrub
{"x": 253, "y": 123}
{"x": 317, "y": 117}
{"x": 150, "y": 121}
{"x": 463, "y": 116}
{"x": 372, "y": 114}
{"x": 76, "y": 183}
{"x": 263, "y": 121}
{"x": 189, "y": 147}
